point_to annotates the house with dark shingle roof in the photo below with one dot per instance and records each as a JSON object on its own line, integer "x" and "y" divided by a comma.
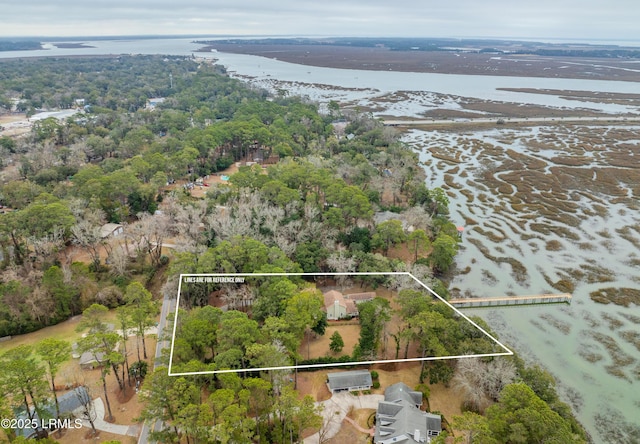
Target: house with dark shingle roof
{"x": 349, "y": 381}
{"x": 400, "y": 420}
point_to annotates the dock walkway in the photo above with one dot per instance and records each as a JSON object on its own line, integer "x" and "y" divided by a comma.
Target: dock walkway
{"x": 512, "y": 300}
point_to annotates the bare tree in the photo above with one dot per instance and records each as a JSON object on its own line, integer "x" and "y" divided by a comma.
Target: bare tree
{"x": 45, "y": 247}
{"x": 406, "y": 282}
{"x": 500, "y": 373}
{"x": 468, "y": 380}
{"x": 88, "y": 412}
{"x": 482, "y": 382}
{"x": 239, "y": 297}
{"x": 109, "y": 296}
{"x": 87, "y": 235}
{"x": 418, "y": 218}
{"x": 329, "y": 426}
{"x": 148, "y": 234}
{"x": 227, "y": 225}
{"x": 118, "y": 260}
{"x": 42, "y": 156}
{"x": 40, "y": 305}
{"x": 188, "y": 222}
{"x": 341, "y": 262}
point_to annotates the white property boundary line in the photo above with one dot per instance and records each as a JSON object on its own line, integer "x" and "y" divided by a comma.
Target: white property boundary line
{"x": 507, "y": 352}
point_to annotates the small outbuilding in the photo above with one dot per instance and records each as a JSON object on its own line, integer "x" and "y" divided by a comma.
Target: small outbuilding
{"x": 111, "y": 230}
{"x": 89, "y": 361}
{"x": 349, "y": 381}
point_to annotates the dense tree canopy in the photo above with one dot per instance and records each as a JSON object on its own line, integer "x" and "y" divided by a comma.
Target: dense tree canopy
{"x": 309, "y": 208}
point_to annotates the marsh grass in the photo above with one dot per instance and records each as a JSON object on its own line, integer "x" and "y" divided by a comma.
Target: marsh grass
{"x": 539, "y": 326}
{"x": 490, "y": 235}
{"x": 632, "y": 337}
{"x": 450, "y": 180}
{"x": 620, "y": 296}
{"x": 627, "y": 235}
{"x": 563, "y": 285}
{"x": 630, "y": 317}
{"x": 561, "y": 326}
{"x": 594, "y": 274}
{"x": 518, "y": 270}
{"x": 618, "y": 356}
{"x": 617, "y": 372}
{"x": 488, "y": 278}
{"x": 589, "y": 355}
{"x": 613, "y": 323}
{"x": 554, "y": 245}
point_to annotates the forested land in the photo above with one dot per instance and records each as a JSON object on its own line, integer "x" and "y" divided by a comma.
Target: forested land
{"x": 311, "y": 210}
{"x": 19, "y": 44}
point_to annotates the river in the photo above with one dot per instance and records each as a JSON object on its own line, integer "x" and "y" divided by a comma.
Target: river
{"x": 538, "y": 220}
{"x": 544, "y": 207}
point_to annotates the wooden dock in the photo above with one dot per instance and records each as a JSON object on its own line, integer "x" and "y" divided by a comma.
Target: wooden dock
{"x": 563, "y": 298}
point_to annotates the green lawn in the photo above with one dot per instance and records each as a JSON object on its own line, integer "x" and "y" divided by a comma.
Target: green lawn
{"x": 65, "y": 330}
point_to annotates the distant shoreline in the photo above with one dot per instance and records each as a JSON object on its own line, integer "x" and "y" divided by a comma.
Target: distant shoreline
{"x": 71, "y": 45}
{"x": 441, "y": 62}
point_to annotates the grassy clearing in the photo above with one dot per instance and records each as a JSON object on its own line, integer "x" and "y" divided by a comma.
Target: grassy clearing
{"x": 65, "y": 330}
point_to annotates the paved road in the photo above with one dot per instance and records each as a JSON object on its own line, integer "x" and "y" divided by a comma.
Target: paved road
{"x": 168, "y": 306}
{"x": 494, "y": 120}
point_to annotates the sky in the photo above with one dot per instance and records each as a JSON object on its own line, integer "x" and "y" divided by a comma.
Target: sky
{"x": 530, "y": 19}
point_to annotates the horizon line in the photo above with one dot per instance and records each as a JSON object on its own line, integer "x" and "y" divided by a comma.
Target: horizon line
{"x": 541, "y": 39}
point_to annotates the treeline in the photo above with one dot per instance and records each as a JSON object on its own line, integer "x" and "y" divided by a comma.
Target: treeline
{"x": 110, "y": 164}
{"x": 118, "y": 82}
{"x": 19, "y": 45}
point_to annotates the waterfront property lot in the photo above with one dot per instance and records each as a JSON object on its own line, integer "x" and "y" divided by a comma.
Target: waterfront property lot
{"x": 235, "y": 342}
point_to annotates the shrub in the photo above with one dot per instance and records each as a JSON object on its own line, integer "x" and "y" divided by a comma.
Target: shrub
{"x": 140, "y": 368}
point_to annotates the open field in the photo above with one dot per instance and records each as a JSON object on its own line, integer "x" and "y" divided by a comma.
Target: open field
{"x": 65, "y": 330}
{"x": 319, "y": 345}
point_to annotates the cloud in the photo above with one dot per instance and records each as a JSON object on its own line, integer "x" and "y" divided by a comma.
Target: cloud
{"x": 616, "y": 19}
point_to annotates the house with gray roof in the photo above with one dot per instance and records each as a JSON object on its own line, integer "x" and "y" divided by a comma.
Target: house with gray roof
{"x": 349, "y": 381}
{"x": 111, "y": 230}
{"x": 70, "y": 404}
{"x": 400, "y": 420}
